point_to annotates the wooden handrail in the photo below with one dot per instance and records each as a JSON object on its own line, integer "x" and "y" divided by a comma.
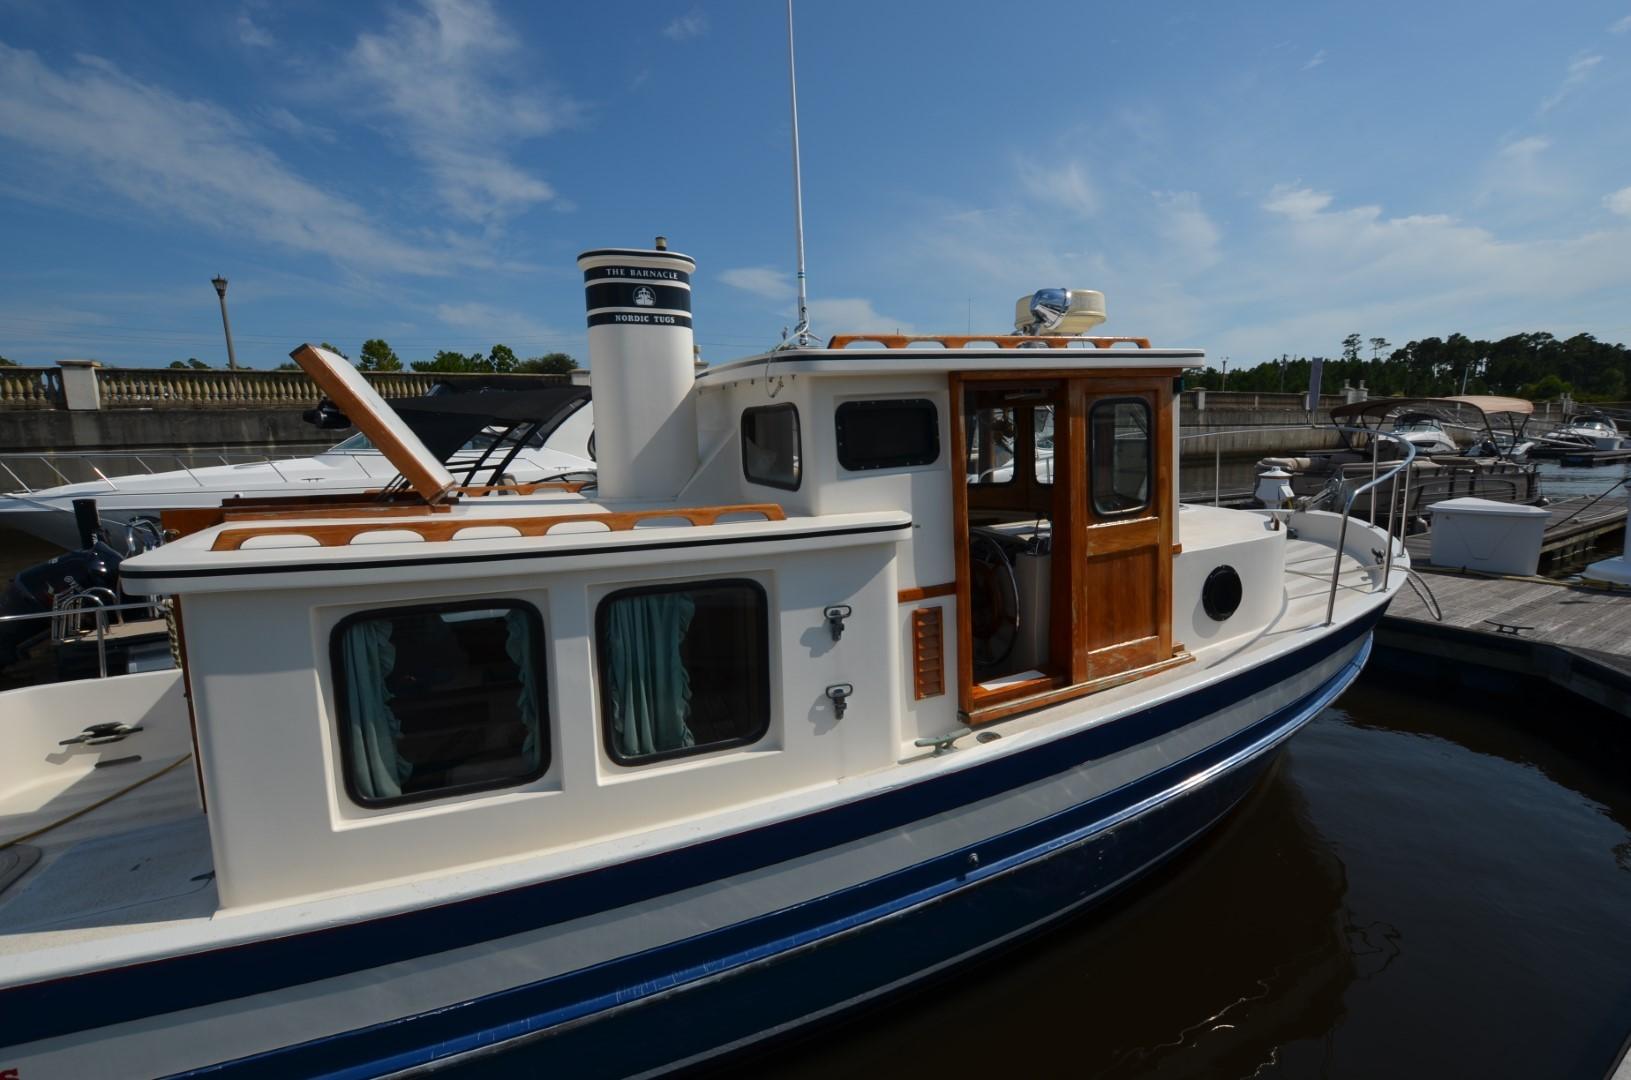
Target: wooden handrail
{"x": 339, "y": 535}
{"x": 1001, "y": 341}
{"x": 477, "y": 491}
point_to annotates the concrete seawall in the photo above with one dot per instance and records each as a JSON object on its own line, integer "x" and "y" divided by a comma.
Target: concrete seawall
{"x": 44, "y": 428}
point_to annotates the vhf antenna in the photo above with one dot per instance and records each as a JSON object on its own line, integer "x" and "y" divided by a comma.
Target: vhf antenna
{"x": 801, "y": 332}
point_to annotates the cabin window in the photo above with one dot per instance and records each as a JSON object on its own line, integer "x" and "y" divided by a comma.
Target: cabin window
{"x": 684, "y": 669}
{"x": 892, "y": 433}
{"x": 440, "y": 700}
{"x": 771, "y": 453}
{"x": 993, "y": 440}
{"x": 1120, "y": 431}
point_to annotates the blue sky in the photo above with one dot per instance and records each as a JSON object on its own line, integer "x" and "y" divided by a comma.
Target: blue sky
{"x": 1251, "y": 178}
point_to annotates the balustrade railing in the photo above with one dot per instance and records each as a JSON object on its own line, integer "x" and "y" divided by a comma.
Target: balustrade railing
{"x": 148, "y": 388}
{"x": 30, "y": 388}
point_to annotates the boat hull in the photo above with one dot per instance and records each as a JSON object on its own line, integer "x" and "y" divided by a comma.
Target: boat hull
{"x": 1031, "y": 842}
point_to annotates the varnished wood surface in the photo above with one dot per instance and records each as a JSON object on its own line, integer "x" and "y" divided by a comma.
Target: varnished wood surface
{"x": 987, "y": 714}
{"x": 1001, "y": 341}
{"x": 431, "y": 487}
{"x": 928, "y": 652}
{"x": 444, "y": 528}
{"x": 926, "y": 592}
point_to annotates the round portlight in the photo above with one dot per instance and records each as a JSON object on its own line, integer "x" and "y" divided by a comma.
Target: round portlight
{"x": 1221, "y": 594}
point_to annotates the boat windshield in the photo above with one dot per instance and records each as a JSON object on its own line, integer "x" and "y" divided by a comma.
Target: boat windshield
{"x": 357, "y": 443}
{"x": 485, "y": 439}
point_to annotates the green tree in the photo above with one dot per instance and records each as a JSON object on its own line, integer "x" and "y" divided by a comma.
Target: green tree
{"x": 501, "y": 359}
{"x": 336, "y": 349}
{"x": 447, "y": 360}
{"x": 288, "y": 365}
{"x": 1378, "y": 346}
{"x": 1350, "y": 348}
{"x": 192, "y": 362}
{"x": 555, "y": 363}
{"x": 378, "y": 356}
{"x": 6, "y": 363}
{"x": 1546, "y": 387}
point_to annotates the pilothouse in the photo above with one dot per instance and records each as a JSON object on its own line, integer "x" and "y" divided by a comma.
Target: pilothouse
{"x": 863, "y": 658}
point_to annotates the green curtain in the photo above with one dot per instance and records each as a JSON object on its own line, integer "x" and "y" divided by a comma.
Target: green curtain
{"x": 518, "y": 647}
{"x": 649, "y": 686}
{"x": 369, "y": 657}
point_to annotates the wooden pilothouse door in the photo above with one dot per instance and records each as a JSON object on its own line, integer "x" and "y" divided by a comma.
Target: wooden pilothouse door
{"x": 1063, "y": 523}
{"x": 1125, "y": 618}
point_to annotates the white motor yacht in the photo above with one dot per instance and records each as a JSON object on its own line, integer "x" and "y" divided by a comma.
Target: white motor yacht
{"x": 800, "y": 706}
{"x": 539, "y": 435}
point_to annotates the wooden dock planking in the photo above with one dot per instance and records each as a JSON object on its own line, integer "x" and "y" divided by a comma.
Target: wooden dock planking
{"x": 1587, "y": 625}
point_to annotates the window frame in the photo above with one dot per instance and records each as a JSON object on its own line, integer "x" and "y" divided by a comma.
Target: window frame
{"x": 337, "y": 676}
{"x": 603, "y": 655}
{"x": 899, "y": 403}
{"x": 798, "y": 444}
{"x": 1092, "y": 458}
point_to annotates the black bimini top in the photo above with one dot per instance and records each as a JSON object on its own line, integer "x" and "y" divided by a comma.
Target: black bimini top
{"x": 446, "y": 422}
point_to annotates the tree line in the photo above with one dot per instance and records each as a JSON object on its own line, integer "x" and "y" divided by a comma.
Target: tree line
{"x": 377, "y": 355}
{"x": 1537, "y": 366}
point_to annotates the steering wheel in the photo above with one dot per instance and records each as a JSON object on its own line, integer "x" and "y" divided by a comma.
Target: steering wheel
{"x": 993, "y": 600}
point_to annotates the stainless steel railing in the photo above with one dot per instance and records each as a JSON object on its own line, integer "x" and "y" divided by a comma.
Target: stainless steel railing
{"x": 88, "y": 463}
{"x": 66, "y": 615}
{"x": 1398, "y": 495}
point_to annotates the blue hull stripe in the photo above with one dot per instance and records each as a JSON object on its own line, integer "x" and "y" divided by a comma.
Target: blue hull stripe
{"x": 526, "y": 1010}
{"x": 76, "y": 1003}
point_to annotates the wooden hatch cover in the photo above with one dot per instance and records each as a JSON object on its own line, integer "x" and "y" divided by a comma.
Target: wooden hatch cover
{"x": 344, "y": 386}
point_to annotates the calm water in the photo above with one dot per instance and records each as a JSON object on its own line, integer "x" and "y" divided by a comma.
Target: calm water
{"x": 1419, "y": 890}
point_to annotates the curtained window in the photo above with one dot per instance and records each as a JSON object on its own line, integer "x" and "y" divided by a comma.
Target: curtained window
{"x": 684, "y": 669}
{"x": 440, "y": 700}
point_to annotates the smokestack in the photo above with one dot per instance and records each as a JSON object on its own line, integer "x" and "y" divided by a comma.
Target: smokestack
{"x": 641, "y": 370}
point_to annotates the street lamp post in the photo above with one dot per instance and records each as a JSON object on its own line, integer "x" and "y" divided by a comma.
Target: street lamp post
{"x": 220, "y": 284}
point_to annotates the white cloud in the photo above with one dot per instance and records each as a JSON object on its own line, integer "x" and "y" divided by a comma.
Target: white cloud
{"x": 852, "y": 315}
{"x": 1580, "y": 69}
{"x": 1622, "y": 26}
{"x": 1619, "y": 201}
{"x": 275, "y": 116}
{"x": 693, "y": 24}
{"x": 762, "y": 281}
{"x": 1295, "y": 202}
{"x": 455, "y": 86}
{"x": 1315, "y": 61}
{"x": 92, "y": 130}
{"x": 489, "y": 325}
{"x": 1065, "y": 187}
{"x": 1192, "y": 236}
{"x": 256, "y": 37}
{"x": 1525, "y": 149}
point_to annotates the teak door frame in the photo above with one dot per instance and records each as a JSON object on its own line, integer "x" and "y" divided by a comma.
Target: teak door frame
{"x": 1068, "y": 631}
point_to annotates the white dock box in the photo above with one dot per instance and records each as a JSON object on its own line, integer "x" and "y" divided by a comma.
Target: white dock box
{"x": 1482, "y": 534}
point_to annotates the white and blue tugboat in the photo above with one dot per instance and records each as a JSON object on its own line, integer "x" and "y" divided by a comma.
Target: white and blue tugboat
{"x": 861, "y": 661}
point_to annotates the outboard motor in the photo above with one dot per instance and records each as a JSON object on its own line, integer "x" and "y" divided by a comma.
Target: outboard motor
{"x": 35, "y": 591}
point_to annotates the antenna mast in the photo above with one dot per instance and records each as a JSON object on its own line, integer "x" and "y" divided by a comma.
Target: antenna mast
{"x": 801, "y": 332}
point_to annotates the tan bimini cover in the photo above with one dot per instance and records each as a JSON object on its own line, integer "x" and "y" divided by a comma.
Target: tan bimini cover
{"x": 368, "y": 412}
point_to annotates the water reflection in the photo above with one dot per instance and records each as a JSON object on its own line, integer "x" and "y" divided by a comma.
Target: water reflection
{"x": 1421, "y": 888}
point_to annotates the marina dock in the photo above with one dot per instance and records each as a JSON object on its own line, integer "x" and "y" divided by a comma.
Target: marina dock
{"x": 1577, "y": 638}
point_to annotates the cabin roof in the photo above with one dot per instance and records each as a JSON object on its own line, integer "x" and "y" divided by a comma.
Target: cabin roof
{"x": 932, "y": 360}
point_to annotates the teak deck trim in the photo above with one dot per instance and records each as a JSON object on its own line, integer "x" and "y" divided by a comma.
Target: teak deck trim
{"x": 340, "y": 535}
{"x": 926, "y": 592}
{"x": 1001, "y": 341}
